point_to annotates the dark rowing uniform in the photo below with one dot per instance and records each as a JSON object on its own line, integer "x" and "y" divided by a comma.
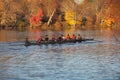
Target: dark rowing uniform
{"x": 27, "y": 43}
{"x": 46, "y": 39}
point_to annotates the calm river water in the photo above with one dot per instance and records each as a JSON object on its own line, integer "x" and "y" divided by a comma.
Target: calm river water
{"x": 96, "y": 60}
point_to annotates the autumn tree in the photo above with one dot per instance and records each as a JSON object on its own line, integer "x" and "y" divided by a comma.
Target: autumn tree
{"x": 16, "y": 12}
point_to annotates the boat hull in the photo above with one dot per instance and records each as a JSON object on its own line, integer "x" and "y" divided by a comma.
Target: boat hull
{"x": 28, "y": 43}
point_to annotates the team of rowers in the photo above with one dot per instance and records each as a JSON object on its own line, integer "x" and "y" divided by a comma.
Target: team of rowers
{"x": 60, "y": 38}
{"x": 54, "y": 39}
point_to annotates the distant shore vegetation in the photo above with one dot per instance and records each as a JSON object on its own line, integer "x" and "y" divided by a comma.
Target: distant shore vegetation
{"x": 58, "y": 13}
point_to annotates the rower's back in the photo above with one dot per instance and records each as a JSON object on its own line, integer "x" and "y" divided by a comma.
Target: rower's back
{"x": 46, "y": 38}
{"x": 79, "y": 37}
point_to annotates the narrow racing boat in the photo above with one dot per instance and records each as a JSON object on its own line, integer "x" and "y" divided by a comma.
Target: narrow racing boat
{"x": 30, "y": 43}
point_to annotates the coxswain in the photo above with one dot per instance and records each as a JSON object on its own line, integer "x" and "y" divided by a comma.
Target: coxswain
{"x": 79, "y": 37}
{"x": 73, "y": 37}
{"x": 68, "y": 37}
{"x": 40, "y": 39}
{"x": 27, "y": 43}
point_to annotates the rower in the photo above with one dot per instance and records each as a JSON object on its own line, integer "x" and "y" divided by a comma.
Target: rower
{"x": 73, "y": 37}
{"x": 68, "y": 37}
{"x": 79, "y": 37}
{"x": 40, "y": 39}
{"x": 53, "y": 38}
{"x": 46, "y": 38}
{"x": 61, "y": 38}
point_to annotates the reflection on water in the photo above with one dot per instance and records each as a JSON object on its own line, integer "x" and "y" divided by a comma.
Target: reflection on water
{"x": 79, "y": 61}
{"x": 34, "y": 34}
{"x": 3, "y": 35}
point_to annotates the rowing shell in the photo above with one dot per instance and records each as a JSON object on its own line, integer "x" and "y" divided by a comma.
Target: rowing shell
{"x": 28, "y": 43}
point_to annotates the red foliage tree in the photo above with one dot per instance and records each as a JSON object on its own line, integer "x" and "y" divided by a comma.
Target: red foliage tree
{"x": 35, "y": 20}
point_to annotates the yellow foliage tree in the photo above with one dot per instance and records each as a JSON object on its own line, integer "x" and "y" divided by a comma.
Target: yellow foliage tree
{"x": 69, "y": 17}
{"x": 108, "y": 22}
